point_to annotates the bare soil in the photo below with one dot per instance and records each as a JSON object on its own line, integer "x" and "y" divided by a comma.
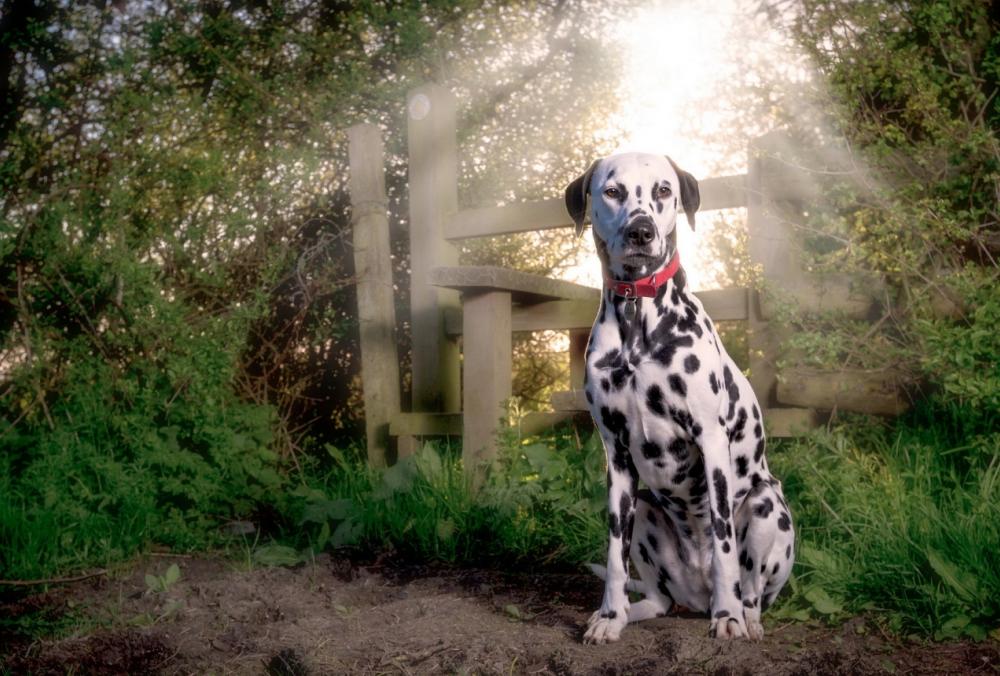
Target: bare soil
{"x": 335, "y": 616}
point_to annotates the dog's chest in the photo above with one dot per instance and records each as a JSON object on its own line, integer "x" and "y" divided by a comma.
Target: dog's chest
{"x": 646, "y": 381}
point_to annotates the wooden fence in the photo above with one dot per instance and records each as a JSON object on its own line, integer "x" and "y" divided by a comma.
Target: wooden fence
{"x": 483, "y": 305}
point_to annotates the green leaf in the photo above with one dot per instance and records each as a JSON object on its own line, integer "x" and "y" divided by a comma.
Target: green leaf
{"x": 961, "y": 582}
{"x": 153, "y": 583}
{"x": 513, "y": 611}
{"x": 347, "y": 532}
{"x": 822, "y": 601}
{"x": 276, "y": 555}
{"x": 399, "y": 478}
{"x": 172, "y": 575}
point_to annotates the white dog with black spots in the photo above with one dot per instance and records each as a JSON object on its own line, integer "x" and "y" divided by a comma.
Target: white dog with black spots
{"x": 710, "y": 530}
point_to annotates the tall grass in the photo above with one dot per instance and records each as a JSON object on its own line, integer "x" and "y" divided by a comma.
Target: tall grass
{"x": 898, "y": 520}
{"x": 902, "y": 519}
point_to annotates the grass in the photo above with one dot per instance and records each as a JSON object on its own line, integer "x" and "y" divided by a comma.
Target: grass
{"x": 900, "y": 520}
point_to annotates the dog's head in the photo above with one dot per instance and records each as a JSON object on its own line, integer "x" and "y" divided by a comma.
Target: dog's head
{"x": 635, "y": 199}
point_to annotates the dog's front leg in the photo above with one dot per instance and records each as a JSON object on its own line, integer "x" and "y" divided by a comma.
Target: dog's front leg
{"x": 727, "y": 604}
{"x": 606, "y": 624}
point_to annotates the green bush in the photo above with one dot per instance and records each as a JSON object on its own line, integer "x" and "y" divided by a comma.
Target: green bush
{"x": 138, "y": 438}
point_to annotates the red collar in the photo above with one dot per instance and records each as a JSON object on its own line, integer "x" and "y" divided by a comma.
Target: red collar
{"x": 647, "y": 286}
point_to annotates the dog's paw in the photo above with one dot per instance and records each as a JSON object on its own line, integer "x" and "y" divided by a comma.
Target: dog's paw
{"x": 604, "y": 627}
{"x": 755, "y": 630}
{"x": 728, "y": 628}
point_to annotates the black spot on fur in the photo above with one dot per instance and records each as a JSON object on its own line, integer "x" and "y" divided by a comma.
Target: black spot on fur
{"x": 662, "y": 578}
{"x": 788, "y": 552}
{"x": 764, "y": 508}
{"x": 742, "y": 466}
{"x": 605, "y": 384}
{"x": 784, "y": 522}
{"x": 759, "y": 451}
{"x": 721, "y": 614}
{"x": 590, "y": 397}
{"x": 651, "y": 449}
{"x": 777, "y": 567}
{"x": 713, "y": 382}
{"x": 757, "y": 431}
{"x": 614, "y": 525}
{"x": 691, "y": 364}
{"x": 725, "y": 547}
{"x": 678, "y": 448}
{"x": 677, "y": 384}
{"x": 653, "y": 542}
{"x": 665, "y": 339}
{"x": 654, "y": 400}
{"x": 611, "y": 614}
{"x": 721, "y": 488}
{"x": 743, "y": 533}
{"x": 736, "y": 433}
{"x": 644, "y": 555}
{"x": 720, "y": 528}
{"x": 737, "y": 592}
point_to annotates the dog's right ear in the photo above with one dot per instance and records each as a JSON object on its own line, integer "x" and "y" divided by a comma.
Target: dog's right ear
{"x": 576, "y": 197}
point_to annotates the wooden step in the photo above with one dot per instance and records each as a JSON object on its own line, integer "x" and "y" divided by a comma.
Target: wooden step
{"x": 522, "y": 286}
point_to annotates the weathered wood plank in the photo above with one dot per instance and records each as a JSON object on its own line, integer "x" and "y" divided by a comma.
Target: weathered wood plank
{"x": 539, "y": 421}
{"x": 790, "y": 422}
{"x": 566, "y": 315}
{"x": 721, "y": 192}
{"x": 858, "y": 390}
{"x": 578, "y": 339}
{"x": 426, "y": 424}
{"x": 569, "y": 400}
{"x": 522, "y": 286}
{"x": 486, "y": 375}
{"x": 433, "y": 199}
{"x": 373, "y": 269}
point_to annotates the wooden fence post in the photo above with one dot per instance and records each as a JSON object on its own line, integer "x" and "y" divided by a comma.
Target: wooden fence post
{"x": 486, "y": 327}
{"x": 373, "y": 269}
{"x": 773, "y": 198}
{"x": 433, "y": 199}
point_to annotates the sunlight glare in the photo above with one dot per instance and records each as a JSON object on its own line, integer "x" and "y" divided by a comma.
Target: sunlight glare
{"x": 677, "y": 59}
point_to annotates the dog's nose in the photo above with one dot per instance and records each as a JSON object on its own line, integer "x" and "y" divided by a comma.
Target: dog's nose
{"x": 639, "y": 232}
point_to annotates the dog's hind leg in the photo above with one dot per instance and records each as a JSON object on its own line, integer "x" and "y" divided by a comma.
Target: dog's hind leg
{"x": 765, "y": 542}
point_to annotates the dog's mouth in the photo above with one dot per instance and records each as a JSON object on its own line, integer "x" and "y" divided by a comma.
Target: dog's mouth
{"x": 638, "y": 259}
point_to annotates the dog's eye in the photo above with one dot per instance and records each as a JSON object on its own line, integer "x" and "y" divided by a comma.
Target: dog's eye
{"x": 612, "y": 192}
{"x": 663, "y": 191}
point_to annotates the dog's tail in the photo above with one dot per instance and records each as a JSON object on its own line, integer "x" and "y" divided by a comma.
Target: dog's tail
{"x": 602, "y": 572}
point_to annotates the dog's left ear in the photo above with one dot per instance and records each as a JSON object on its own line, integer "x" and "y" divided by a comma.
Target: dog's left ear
{"x": 690, "y": 197}
{"x": 576, "y": 197}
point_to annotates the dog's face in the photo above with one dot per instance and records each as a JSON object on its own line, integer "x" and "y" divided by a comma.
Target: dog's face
{"x": 634, "y": 199}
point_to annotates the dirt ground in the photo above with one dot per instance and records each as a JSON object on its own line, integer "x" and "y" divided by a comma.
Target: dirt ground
{"x": 337, "y": 617}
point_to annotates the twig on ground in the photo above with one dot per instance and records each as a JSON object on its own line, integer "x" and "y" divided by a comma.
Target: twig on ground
{"x": 51, "y": 580}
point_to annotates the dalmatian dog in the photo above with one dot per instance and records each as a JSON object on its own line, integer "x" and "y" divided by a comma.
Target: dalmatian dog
{"x": 710, "y": 529}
